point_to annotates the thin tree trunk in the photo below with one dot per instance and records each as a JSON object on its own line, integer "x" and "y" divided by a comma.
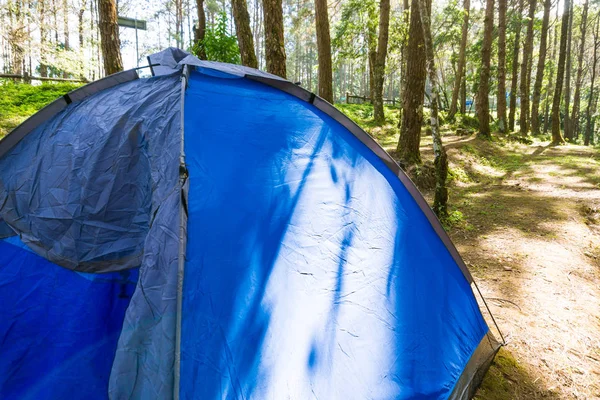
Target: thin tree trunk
{"x": 527, "y": 51}
{"x": 43, "y": 32}
{"x": 557, "y": 137}
{"x": 539, "y": 75}
{"x": 569, "y": 66}
{"x": 244, "y": 33}
{"x": 440, "y": 202}
{"x": 381, "y": 55}
{"x": 551, "y": 77}
{"x": 483, "y": 109}
{"x": 80, "y": 31}
{"x": 324, "y": 50}
{"x": 66, "y": 30}
{"x": 579, "y": 78}
{"x": 588, "y": 129}
{"x": 501, "y": 98}
{"x": 463, "y": 94}
{"x": 200, "y": 32}
{"x": 274, "y": 42}
{"x": 414, "y": 92}
{"x": 461, "y": 58}
{"x": 515, "y": 69}
{"x": 109, "y": 35}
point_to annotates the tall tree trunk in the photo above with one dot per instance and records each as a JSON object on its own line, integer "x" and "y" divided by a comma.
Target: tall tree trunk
{"x": 588, "y": 113}
{"x": 414, "y": 92}
{"x": 579, "y": 78}
{"x": 527, "y": 51}
{"x": 460, "y": 70}
{"x": 381, "y": 55}
{"x": 80, "y": 31}
{"x": 557, "y": 137}
{"x": 440, "y": 202}
{"x": 66, "y": 24}
{"x": 109, "y": 36}
{"x": 551, "y": 77}
{"x": 66, "y": 30}
{"x": 405, "y": 21}
{"x": 501, "y": 99}
{"x": 568, "y": 68}
{"x": 274, "y": 44}
{"x": 539, "y": 75}
{"x": 200, "y": 31}
{"x": 43, "y": 32}
{"x": 463, "y": 94}
{"x": 482, "y": 102}
{"x": 515, "y": 68}
{"x": 244, "y": 33}
{"x": 324, "y": 50}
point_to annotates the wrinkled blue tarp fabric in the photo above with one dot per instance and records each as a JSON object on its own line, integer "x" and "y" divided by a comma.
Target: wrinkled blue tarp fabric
{"x": 310, "y": 271}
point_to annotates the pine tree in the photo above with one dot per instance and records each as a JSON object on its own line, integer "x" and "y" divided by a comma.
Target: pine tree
{"x": 483, "y": 109}
{"x": 244, "y": 33}
{"x": 324, "y": 50}
{"x": 109, "y": 35}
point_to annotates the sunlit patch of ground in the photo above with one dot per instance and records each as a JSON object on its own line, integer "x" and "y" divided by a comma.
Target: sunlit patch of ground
{"x": 531, "y": 238}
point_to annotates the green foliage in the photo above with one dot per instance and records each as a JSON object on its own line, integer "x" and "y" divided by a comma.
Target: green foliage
{"x": 355, "y": 34}
{"x": 218, "y": 44}
{"x": 19, "y": 100}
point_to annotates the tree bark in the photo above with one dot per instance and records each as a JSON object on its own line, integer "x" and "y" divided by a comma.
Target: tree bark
{"x": 200, "y": 31}
{"x": 414, "y": 92}
{"x": 43, "y": 31}
{"x": 483, "y": 108}
{"x": 568, "y": 68}
{"x": 109, "y": 36}
{"x": 527, "y": 51}
{"x": 440, "y": 202}
{"x": 557, "y": 137}
{"x": 579, "y": 78}
{"x": 589, "y": 138}
{"x": 324, "y": 50}
{"x": 381, "y": 55}
{"x": 244, "y": 33}
{"x": 539, "y": 75}
{"x": 501, "y": 98}
{"x": 274, "y": 42}
{"x": 515, "y": 69}
{"x": 551, "y": 77}
{"x": 460, "y": 70}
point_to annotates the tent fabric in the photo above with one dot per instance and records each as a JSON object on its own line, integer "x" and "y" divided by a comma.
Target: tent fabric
{"x": 281, "y": 252}
{"x": 58, "y": 328}
{"x": 314, "y": 249}
{"x": 86, "y": 201}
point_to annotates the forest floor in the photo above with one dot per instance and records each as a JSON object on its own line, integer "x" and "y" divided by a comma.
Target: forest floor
{"x": 526, "y": 220}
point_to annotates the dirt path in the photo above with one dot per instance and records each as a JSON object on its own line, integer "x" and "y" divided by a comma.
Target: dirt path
{"x": 527, "y": 222}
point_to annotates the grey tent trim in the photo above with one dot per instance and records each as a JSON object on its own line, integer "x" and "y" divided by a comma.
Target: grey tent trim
{"x": 368, "y": 140}
{"x": 473, "y": 373}
{"x": 183, "y": 216}
{"x": 58, "y": 105}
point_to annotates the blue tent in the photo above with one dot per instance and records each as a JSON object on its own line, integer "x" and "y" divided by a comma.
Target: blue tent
{"x": 216, "y": 232}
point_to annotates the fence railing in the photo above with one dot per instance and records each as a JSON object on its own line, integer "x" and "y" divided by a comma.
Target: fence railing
{"x": 28, "y": 78}
{"x": 352, "y": 99}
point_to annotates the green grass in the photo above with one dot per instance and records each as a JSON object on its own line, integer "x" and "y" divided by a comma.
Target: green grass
{"x": 18, "y": 101}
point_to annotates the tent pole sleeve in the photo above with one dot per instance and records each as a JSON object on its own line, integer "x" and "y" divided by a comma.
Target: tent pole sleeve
{"x": 182, "y": 240}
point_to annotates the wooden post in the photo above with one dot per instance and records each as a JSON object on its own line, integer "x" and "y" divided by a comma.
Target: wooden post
{"x": 347, "y": 98}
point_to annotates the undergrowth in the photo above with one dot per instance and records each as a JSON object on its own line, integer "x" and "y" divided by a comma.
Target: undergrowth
{"x": 18, "y": 101}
